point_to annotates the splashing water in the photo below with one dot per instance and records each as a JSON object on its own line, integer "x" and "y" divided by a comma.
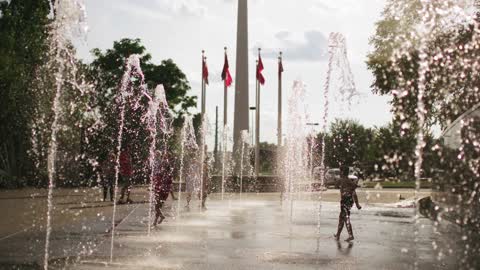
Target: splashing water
{"x": 343, "y": 79}
{"x": 132, "y": 70}
{"x": 312, "y": 145}
{"x": 158, "y": 110}
{"x": 70, "y": 21}
{"x": 188, "y": 146}
{"x": 338, "y": 70}
{"x": 296, "y": 147}
{"x": 244, "y": 155}
{"x": 438, "y": 63}
{"x": 422, "y": 72}
{"x": 224, "y": 157}
{"x": 337, "y": 63}
{"x": 203, "y": 155}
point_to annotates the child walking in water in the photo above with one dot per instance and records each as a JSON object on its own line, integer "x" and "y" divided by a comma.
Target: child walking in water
{"x": 163, "y": 180}
{"x": 125, "y": 175}
{"x": 348, "y": 196}
{"x": 108, "y": 175}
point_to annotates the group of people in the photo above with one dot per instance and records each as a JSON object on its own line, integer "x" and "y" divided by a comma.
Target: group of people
{"x": 125, "y": 174}
{"x": 163, "y": 176}
{"x": 163, "y": 186}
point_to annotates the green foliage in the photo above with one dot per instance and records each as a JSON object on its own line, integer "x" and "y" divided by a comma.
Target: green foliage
{"x": 107, "y": 69}
{"x": 88, "y": 118}
{"x": 268, "y": 157}
{"x": 391, "y": 152}
{"x": 23, "y": 46}
{"x": 106, "y": 72}
{"x": 452, "y": 77}
{"x": 346, "y": 144}
{"x": 379, "y": 152}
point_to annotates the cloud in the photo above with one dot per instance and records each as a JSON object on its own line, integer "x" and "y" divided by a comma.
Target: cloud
{"x": 282, "y": 35}
{"x": 163, "y": 9}
{"x": 312, "y": 48}
{"x": 320, "y": 6}
{"x": 185, "y": 7}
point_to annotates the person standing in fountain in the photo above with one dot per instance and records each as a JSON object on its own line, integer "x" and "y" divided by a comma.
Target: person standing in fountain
{"x": 163, "y": 180}
{"x": 125, "y": 176}
{"x": 348, "y": 196}
{"x": 107, "y": 176}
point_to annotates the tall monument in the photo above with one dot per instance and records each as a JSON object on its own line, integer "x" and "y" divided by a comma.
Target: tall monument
{"x": 241, "y": 75}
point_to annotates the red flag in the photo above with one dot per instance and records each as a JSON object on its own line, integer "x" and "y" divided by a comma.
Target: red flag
{"x": 260, "y": 77}
{"x": 226, "y": 77}
{"x": 280, "y": 66}
{"x": 205, "y": 70}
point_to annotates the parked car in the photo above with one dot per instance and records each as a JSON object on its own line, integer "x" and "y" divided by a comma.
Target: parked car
{"x": 332, "y": 176}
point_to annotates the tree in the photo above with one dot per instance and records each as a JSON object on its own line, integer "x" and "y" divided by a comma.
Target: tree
{"x": 268, "y": 157}
{"x": 107, "y": 69}
{"x": 391, "y": 152}
{"x": 379, "y": 152}
{"x": 452, "y": 77}
{"x": 24, "y": 28}
{"x": 346, "y": 144}
{"x": 106, "y": 72}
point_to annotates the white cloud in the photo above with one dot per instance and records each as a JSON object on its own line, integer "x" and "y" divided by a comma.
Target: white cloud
{"x": 163, "y": 9}
{"x": 184, "y": 7}
{"x": 311, "y": 47}
{"x": 323, "y": 7}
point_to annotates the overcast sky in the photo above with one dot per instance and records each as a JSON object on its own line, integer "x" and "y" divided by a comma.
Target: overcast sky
{"x": 180, "y": 29}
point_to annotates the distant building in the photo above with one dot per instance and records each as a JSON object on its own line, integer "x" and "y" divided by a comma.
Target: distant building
{"x": 451, "y": 135}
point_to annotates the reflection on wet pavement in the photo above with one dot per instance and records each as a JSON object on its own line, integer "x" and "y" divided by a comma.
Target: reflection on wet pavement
{"x": 254, "y": 233}
{"x": 257, "y": 234}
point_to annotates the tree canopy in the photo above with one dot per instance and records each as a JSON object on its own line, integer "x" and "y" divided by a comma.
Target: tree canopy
{"x": 452, "y": 76}
{"x": 107, "y": 69}
{"x": 23, "y": 49}
{"x": 27, "y": 86}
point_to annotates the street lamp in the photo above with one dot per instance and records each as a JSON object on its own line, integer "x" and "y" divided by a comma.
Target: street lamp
{"x": 312, "y": 138}
{"x": 252, "y": 109}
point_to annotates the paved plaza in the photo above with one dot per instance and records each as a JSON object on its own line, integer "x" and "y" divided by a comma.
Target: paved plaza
{"x": 251, "y": 231}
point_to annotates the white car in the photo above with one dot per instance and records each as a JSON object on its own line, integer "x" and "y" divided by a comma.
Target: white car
{"x": 332, "y": 176}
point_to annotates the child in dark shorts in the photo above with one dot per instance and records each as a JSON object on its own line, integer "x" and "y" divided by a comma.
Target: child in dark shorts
{"x": 108, "y": 175}
{"x": 162, "y": 185}
{"x": 348, "y": 196}
{"x": 125, "y": 175}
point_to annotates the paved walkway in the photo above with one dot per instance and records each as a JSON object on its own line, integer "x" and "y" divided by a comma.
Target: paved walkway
{"x": 255, "y": 231}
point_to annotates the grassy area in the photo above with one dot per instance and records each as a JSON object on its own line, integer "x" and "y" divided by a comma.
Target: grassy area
{"x": 403, "y": 184}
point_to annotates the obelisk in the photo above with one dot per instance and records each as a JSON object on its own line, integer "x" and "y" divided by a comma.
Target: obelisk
{"x": 241, "y": 78}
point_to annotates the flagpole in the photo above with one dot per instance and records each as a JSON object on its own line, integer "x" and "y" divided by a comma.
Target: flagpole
{"x": 224, "y": 137}
{"x": 203, "y": 84}
{"x": 215, "y": 150}
{"x": 279, "y": 121}
{"x": 257, "y": 125}
{"x": 225, "y": 97}
{"x": 202, "y": 127}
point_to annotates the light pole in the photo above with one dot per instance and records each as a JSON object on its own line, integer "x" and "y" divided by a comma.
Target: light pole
{"x": 312, "y": 139}
{"x": 252, "y": 109}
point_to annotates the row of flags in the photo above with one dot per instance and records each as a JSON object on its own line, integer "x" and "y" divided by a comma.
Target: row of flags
{"x": 227, "y": 77}
{"x": 228, "y": 80}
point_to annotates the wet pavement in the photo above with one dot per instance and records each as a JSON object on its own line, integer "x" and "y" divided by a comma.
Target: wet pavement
{"x": 254, "y": 231}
